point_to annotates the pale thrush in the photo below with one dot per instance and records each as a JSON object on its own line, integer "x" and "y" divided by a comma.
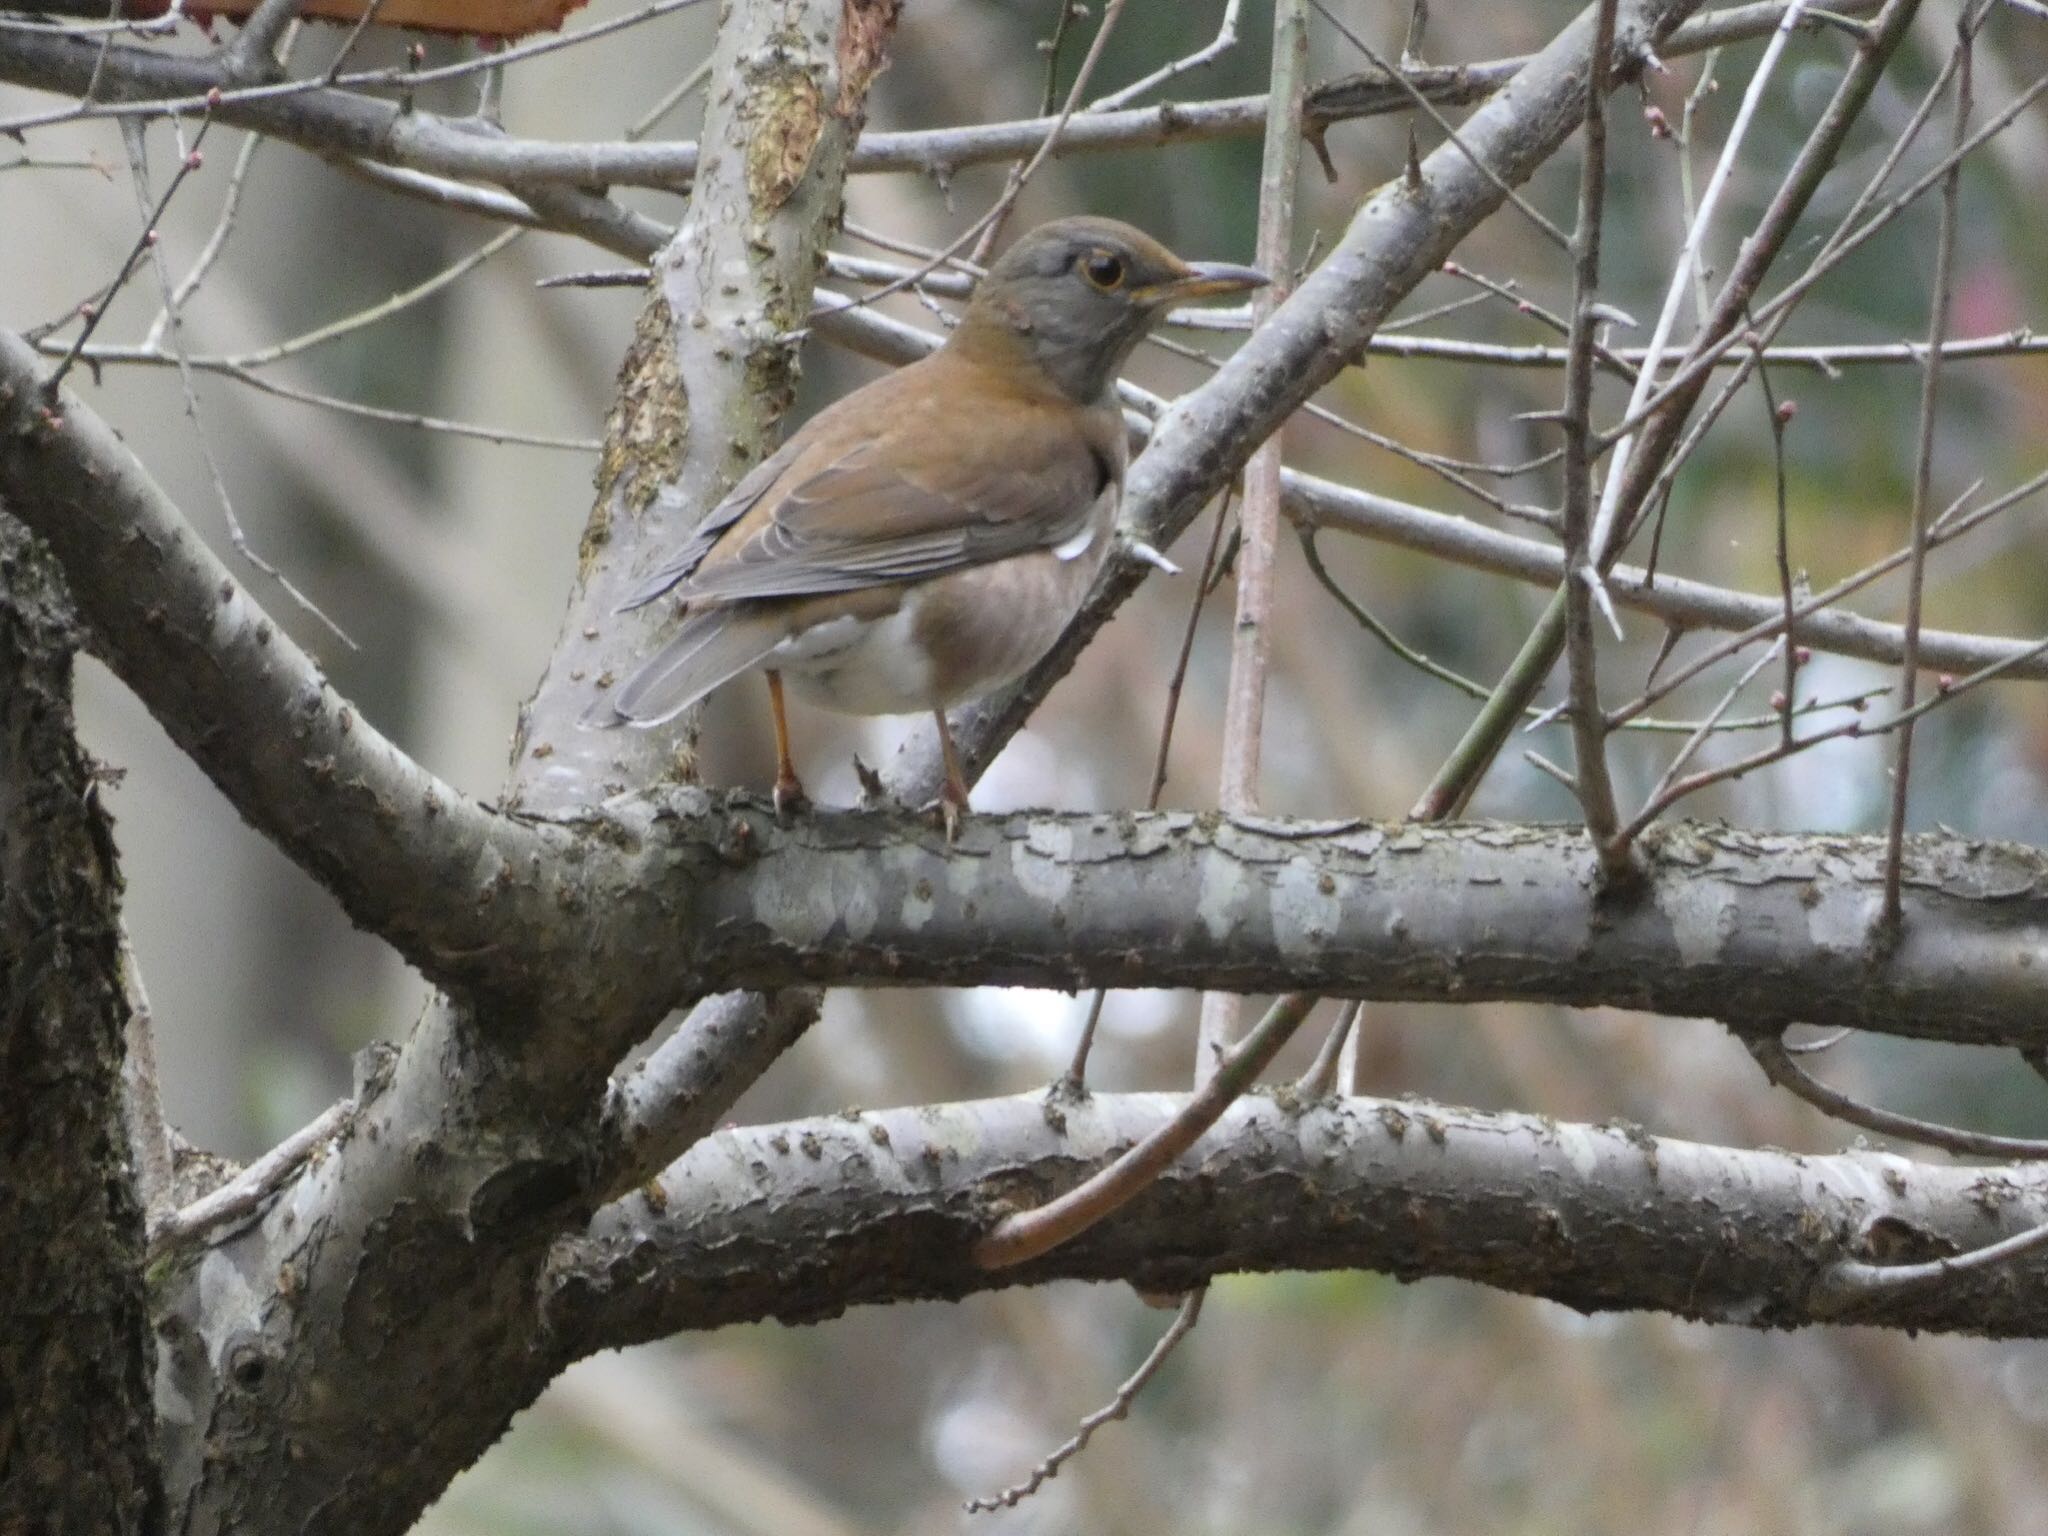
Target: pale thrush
{"x": 925, "y": 540}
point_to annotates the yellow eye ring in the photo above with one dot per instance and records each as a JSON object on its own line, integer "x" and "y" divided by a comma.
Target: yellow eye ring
{"x": 1104, "y": 270}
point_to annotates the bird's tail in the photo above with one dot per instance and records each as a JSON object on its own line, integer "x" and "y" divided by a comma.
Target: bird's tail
{"x": 713, "y": 646}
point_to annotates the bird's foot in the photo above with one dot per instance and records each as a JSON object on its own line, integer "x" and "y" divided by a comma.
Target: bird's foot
{"x": 790, "y": 798}
{"x": 945, "y": 813}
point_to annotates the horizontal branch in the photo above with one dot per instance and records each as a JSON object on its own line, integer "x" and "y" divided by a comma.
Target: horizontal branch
{"x": 332, "y": 120}
{"x": 1688, "y": 604}
{"x": 798, "y": 1222}
{"x": 1758, "y": 930}
{"x": 1827, "y": 359}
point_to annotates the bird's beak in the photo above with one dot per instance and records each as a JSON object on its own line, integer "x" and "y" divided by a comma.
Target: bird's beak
{"x": 1203, "y": 280}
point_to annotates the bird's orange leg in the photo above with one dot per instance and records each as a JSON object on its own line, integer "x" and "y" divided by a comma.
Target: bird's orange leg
{"x": 789, "y": 790}
{"x": 953, "y": 798}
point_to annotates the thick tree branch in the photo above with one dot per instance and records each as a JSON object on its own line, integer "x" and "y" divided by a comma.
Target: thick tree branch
{"x": 1758, "y": 930}
{"x": 408, "y": 1337}
{"x": 76, "y": 1448}
{"x": 798, "y": 1222}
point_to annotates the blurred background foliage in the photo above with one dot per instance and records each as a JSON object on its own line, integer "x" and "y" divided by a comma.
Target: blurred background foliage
{"x": 1326, "y": 1404}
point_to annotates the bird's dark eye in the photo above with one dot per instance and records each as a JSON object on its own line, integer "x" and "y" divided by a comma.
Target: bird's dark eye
{"x": 1104, "y": 269}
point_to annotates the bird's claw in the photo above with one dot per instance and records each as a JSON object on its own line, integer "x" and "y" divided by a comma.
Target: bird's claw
{"x": 790, "y": 799}
{"x": 945, "y": 813}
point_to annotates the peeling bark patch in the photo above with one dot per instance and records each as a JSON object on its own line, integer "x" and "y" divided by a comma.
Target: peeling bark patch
{"x": 785, "y": 113}
{"x": 647, "y": 427}
{"x": 1225, "y": 889}
{"x": 1044, "y": 862}
{"x": 864, "y": 29}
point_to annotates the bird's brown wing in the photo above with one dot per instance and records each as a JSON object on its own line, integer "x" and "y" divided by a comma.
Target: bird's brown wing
{"x": 907, "y": 479}
{"x": 873, "y": 519}
{"x": 716, "y": 523}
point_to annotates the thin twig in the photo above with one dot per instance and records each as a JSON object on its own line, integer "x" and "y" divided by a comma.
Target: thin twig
{"x": 1178, "y": 681}
{"x": 1258, "y": 522}
{"x": 246, "y": 1192}
{"x": 1117, "y": 1407}
{"x": 1675, "y": 291}
{"x": 1949, "y": 691}
{"x": 982, "y": 232}
{"x": 1786, "y": 1073}
{"x": 132, "y": 135}
{"x": 1224, "y": 40}
{"x": 1684, "y": 755}
{"x": 1711, "y": 353}
{"x": 1688, "y": 118}
{"x": 644, "y": 124}
{"x": 1027, "y": 1234}
{"x": 1778, "y": 417}
{"x": 1455, "y": 782}
{"x": 209, "y": 253}
{"x": 1320, "y": 1080}
{"x": 1589, "y": 732}
{"x": 1070, "y": 11}
{"x": 1944, "y": 530}
{"x": 1891, "y": 914}
{"x": 1449, "y": 130}
{"x": 1848, "y": 1282}
{"x": 145, "y": 242}
{"x": 1473, "y": 689}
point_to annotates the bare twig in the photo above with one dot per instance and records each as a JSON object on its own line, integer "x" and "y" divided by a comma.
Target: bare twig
{"x": 1117, "y": 1407}
{"x": 145, "y": 242}
{"x": 245, "y": 1194}
{"x": 1849, "y": 1282}
{"x": 1320, "y": 1080}
{"x": 1710, "y": 353}
{"x": 1638, "y": 468}
{"x": 1449, "y": 130}
{"x": 1589, "y": 729}
{"x": 1681, "y": 279}
{"x": 1658, "y": 801}
{"x": 1027, "y": 1234}
{"x": 1778, "y": 417}
{"x": 1782, "y": 1070}
{"x": 1258, "y": 521}
{"x": 1888, "y": 919}
{"x": 132, "y": 134}
{"x": 209, "y": 253}
{"x": 1224, "y": 40}
{"x": 1817, "y": 605}
{"x": 1476, "y": 690}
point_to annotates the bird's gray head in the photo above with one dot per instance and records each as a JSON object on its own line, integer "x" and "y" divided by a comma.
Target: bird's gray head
{"x": 1079, "y": 293}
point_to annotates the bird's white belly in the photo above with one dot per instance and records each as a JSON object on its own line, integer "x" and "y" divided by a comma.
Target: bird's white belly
{"x": 859, "y": 666}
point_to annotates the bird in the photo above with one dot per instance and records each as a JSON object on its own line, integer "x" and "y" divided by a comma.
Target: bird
{"x": 925, "y": 539}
